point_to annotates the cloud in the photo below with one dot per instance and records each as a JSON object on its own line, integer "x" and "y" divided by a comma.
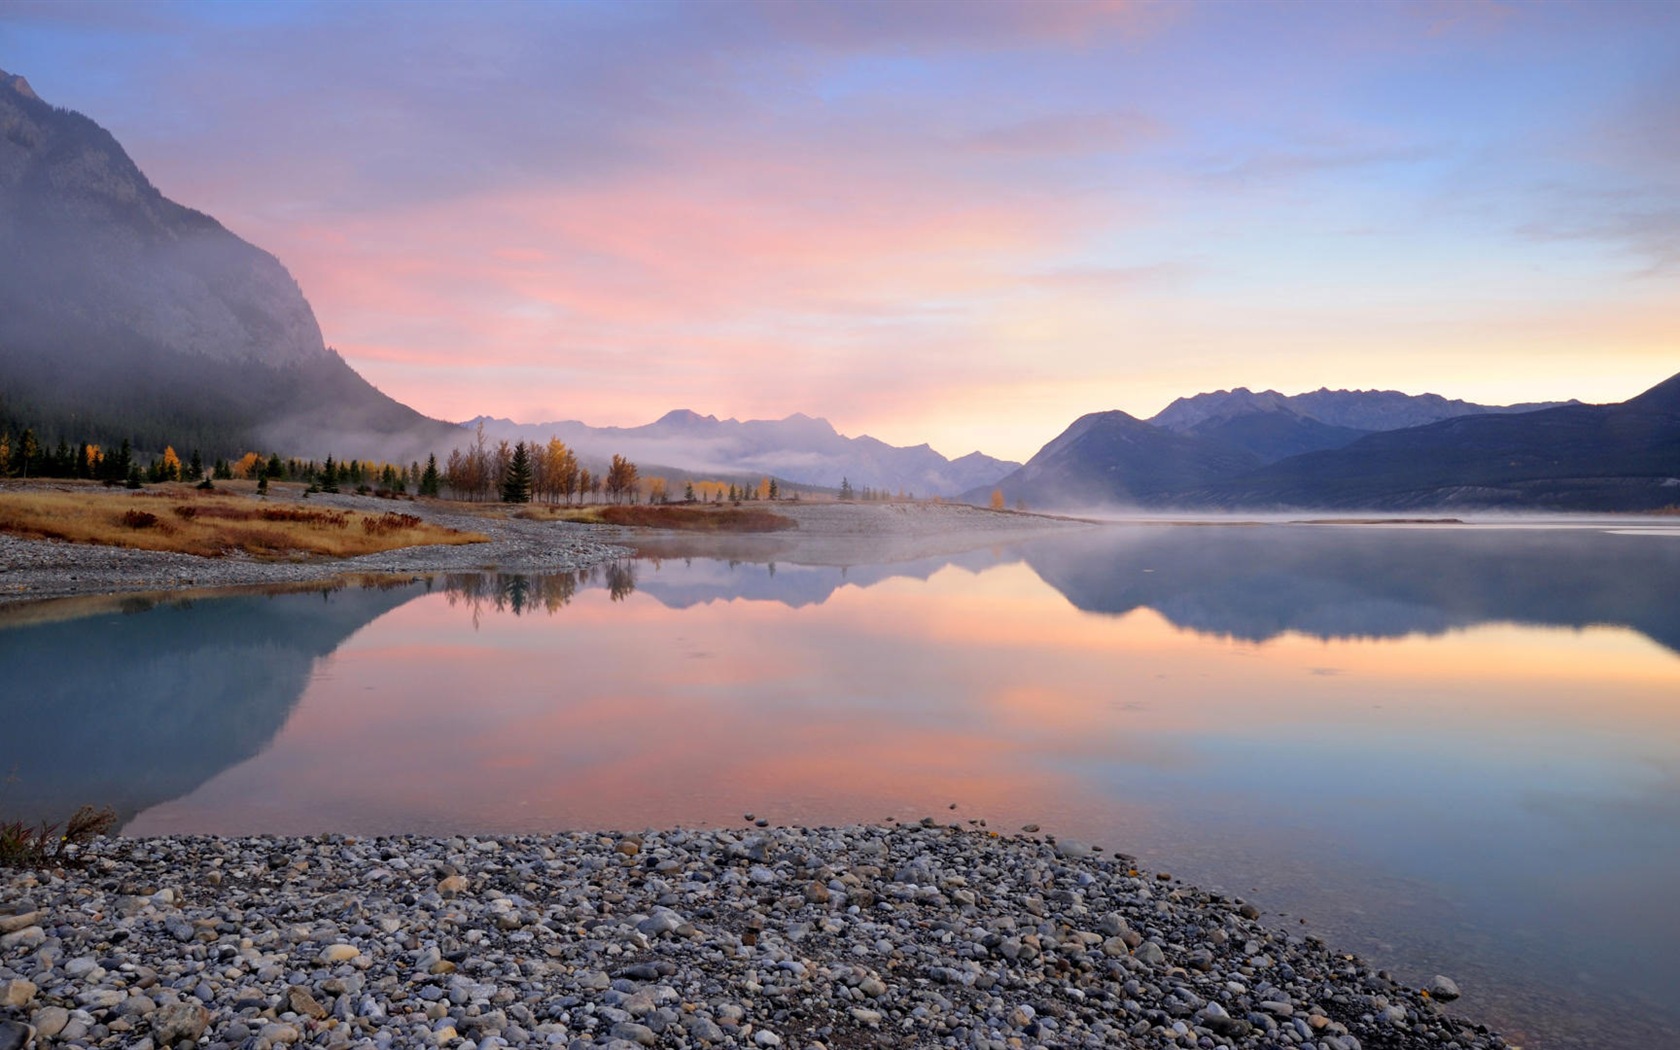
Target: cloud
{"x": 896, "y": 215}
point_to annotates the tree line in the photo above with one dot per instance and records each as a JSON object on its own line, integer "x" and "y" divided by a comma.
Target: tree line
{"x": 517, "y": 472}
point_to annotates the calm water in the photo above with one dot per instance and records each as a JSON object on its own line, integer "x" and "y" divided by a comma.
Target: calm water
{"x": 1453, "y": 751}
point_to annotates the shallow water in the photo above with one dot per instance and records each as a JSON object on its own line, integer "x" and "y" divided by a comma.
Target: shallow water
{"x": 1451, "y": 750}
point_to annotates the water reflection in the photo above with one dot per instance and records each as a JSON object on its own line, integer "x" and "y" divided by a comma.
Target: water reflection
{"x": 145, "y": 699}
{"x": 1357, "y": 582}
{"x": 1447, "y": 748}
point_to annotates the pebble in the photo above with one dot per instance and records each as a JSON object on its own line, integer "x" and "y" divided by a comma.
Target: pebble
{"x": 921, "y": 936}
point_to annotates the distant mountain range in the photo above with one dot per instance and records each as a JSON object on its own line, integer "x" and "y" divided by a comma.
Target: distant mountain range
{"x": 126, "y": 315}
{"x": 1361, "y": 450}
{"x": 799, "y": 449}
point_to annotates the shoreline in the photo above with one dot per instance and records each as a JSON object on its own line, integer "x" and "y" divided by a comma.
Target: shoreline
{"x": 871, "y": 935}
{"x": 33, "y": 570}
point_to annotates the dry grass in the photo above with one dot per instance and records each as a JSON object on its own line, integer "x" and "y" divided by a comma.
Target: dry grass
{"x": 683, "y": 519}
{"x": 211, "y": 524}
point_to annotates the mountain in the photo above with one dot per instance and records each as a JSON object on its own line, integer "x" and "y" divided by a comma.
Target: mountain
{"x": 1109, "y": 458}
{"x": 1359, "y": 410}
{"x": 1575, "y": 457}
{"x": 799, "y": 448}
{"x": 1273, "y": 434}
{"x": 126, "y": 315}
{"x": 1236, "y": 450}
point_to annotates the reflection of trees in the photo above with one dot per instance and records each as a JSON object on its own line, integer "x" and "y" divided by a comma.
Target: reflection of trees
{"x": 621, "y": 579}
{"x": 519, "y": 594}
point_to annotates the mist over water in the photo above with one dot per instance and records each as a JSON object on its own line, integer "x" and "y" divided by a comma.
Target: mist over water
{"x": 1451, "y": 750}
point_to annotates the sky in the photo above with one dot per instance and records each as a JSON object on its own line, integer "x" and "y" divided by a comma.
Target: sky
{"x": 959, "y": 223}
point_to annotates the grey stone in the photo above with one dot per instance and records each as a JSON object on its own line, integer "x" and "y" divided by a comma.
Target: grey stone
{"x": 1443, "y": 988}
{"x": 172, "y": 1024}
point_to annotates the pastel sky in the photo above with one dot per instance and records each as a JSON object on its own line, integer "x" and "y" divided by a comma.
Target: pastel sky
{"x": 961, "y": 223}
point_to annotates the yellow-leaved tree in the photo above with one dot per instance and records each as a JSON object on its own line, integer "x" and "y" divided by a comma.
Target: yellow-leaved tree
{"x": 169, "y": 464}
{"x": 249, "y": 464}
{"x": 997, "y": 499}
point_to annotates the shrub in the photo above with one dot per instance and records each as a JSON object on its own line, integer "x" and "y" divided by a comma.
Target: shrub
{"x": 388, "y": 523}
{"x": 139, "y": 519}
{"x": 22, "y": 845}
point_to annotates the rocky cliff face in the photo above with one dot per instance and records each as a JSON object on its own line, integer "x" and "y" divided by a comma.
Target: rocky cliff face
{"x": 90, "y": 250}
{"x": 124, "y": 315}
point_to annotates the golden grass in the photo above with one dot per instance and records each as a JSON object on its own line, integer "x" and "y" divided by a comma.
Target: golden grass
{"x": 212, "y": 524}
{"x": 682, "y": 518}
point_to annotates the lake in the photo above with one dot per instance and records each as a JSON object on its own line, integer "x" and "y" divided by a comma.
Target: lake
{"x": 1450, "y": 749}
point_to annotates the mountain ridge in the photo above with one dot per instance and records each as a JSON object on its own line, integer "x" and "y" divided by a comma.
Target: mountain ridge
{"x": 1570, "y": 456}
{"x": 799, "y": 448}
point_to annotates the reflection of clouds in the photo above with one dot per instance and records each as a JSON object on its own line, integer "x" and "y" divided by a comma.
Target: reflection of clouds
{"x": 1644, "y": 813}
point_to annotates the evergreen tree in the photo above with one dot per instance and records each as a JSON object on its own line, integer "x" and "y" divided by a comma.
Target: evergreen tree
{"x": 429, "y": 479}
{"x": 516, "y": 482}
{"x": 27, "y": 452}
{"x": 688, "y": 493}
{"x": 276, "y": 469}
{"x": 774, "y": 494}
{"x": 329, "y": 476}
{"x": 846, "y": 489}
{"x": 195, "y": 467}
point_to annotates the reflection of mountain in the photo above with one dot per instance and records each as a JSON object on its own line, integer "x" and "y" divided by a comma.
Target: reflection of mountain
{"x": 133, "y": 710}
{"x": 682, "y": 581}
{"x": 679, "y": 585}
{"x": 1336, "y": 582}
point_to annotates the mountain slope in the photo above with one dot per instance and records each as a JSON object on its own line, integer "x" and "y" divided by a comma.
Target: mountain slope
{"x": 1274, "y": 434}
{"x": 1576, "y": 457}
{"x": 799, "y": 448}
{"x": 125, "y": 314}
{"x": 1231, "y": 452}
{"x": 1111, "y": 458}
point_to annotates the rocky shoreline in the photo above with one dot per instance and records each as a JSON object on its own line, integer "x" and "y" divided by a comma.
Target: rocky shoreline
{"x": 32, "y": 569}
{"x": 869, "y": 936}
{"x": 828, "y": 533}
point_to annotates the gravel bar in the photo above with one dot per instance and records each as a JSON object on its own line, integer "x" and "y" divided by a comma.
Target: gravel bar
{"x": 873, "y": 936}
{"x": 33, "y": 569}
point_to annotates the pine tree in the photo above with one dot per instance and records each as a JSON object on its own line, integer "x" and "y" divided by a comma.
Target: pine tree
{"x": 516, "y": 482}
{"x": 276, "y": 469}
{"x": 195, "y": 467}
{"x": 845, "y": 489}
{"x": 27, "y": 451}
{"x": 429, "y": 479}
{"x": 688, "y": 492}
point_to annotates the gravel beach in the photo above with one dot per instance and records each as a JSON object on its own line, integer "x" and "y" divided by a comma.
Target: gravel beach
{"x": 873, "y": 936}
